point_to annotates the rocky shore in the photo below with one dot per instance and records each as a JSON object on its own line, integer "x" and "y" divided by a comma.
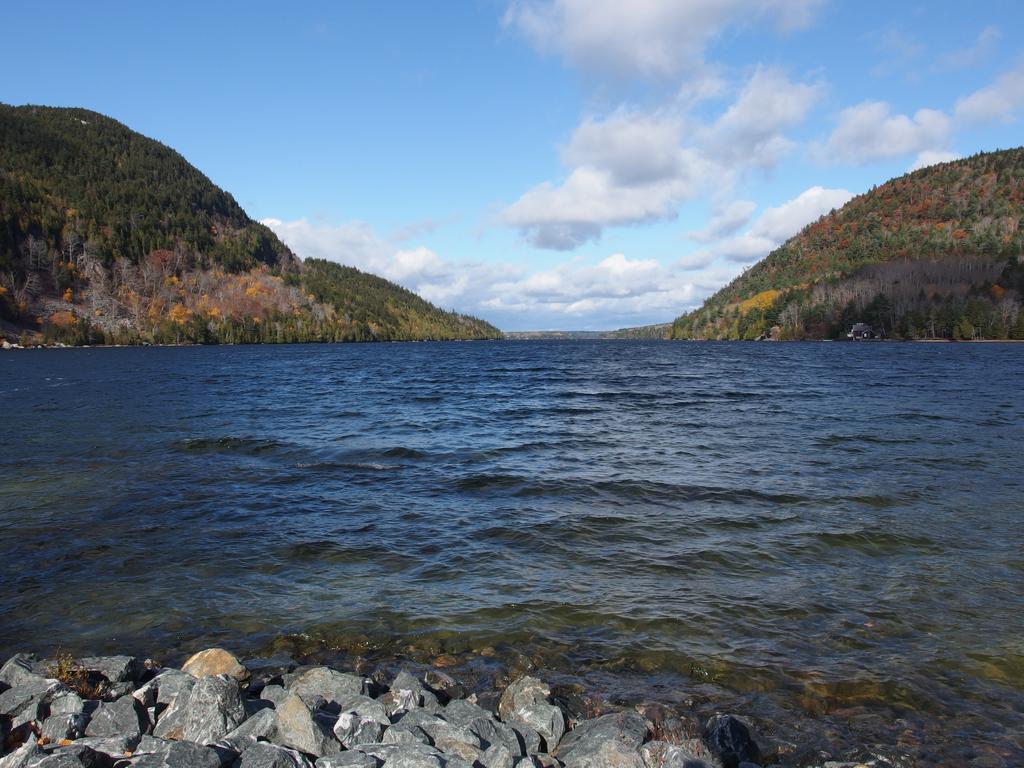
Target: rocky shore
{"x": 215, "y": 712}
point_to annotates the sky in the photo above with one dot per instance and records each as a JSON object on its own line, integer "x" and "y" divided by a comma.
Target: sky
{"x": 543, "y": 164}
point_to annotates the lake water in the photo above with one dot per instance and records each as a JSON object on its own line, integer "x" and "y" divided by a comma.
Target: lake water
{"x": 824, "y": 537}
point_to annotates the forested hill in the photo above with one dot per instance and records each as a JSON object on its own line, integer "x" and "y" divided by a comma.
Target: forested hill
{"x": 932, "y": 254}
{"x": 109, "y": 236}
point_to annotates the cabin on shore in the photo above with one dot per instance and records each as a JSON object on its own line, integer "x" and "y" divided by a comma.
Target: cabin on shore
{"x": 864, "y": 332}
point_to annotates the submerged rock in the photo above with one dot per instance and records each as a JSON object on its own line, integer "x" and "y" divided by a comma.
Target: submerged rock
{"x": 731, "y": 740}
{"x": 215, "y": 661}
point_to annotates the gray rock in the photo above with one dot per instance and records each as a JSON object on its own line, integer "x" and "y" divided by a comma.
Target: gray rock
{"x": 362, "y": 720}
{"x": 123, "y": 717}
{"x": 22, "y": 668}
{"x": 308, "y": 730}
{"x": 410, "y": 757}
{"x": 529, "y": 740}
{"x": 273, "y": 693}
{"x": 113, "y": 669}
{"x": 263, "y": 755}
{"x": 660, "y": 754}
{"x": 546, "y": 719}
{"x": 114, "y": 747}
{"x": 349, "y": 760}
{"x": 213, "y": 710}
{"x": 22, "y": 704}
{"x": 491, "y": 732}
{"x": 401, "y": 734}
{"x": 158, "y": 753}
{"x": 67, "y": 703}
{"x": 609, "y": 741}
{"x": 526, "y": 702}
{"x": 731, "y": 740}
{"x": 626, "y": 727}
{"x": 65, "y": 726}
{"x": 523, "y": 693}
{"x": 331, "y": 686}
{"x": 455, "y": 740}
{"x": 170, "y": 691}
{"x": 463, "y": 712}
{"x": 21, "y": 757}
{"x": 261, "y": 726}
{"x": 498, "y": 756}
{"x": 384, "y": 752}
{"x": 64, "y": 759}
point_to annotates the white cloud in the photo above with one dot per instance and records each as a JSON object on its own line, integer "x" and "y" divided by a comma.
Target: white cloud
{"x": 725, "y": 220}
{"x": 868, "y": 131}
{"x": 772, "y": 228}
{"x": 606, "y": 191}
{"x": 751, "y": 129}
{"x": 614, "y": 292}
{"x": 644, "y": 37}
{"x": 998, "y": 102}
{"x": 634, "y": 167}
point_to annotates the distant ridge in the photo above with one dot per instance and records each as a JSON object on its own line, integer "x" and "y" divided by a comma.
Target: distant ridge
{"x": 932, "y": 254}
{"x": 659, "y": 331}
{"x": 107, "y": 236}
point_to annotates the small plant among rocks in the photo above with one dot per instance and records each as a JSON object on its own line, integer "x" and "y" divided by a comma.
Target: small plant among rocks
{"x": 67, "y": 670}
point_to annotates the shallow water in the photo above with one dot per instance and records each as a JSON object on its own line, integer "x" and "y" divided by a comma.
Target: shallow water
{"x": 826, "y": 537}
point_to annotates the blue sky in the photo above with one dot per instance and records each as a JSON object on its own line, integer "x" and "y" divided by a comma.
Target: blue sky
{"x": 573, "y": 164}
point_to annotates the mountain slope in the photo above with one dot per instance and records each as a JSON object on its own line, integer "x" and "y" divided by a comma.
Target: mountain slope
{"x": 933, "y": 253}
{"x": 107, "y": 235}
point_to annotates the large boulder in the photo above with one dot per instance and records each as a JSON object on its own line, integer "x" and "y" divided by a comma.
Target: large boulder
{"x": 732, "y": 740}
{"x": 123, "y": 717}
{"x": 160, "y": 753}
{"x": 526, "y": 702}
{"x": 27, "y": 701}
{"x": 170, "y": 693}
{"x": 661, "y": 754}
{"x": 259, "y": 727}
{"x": 113, "y": 669}
{"x": 264, "y": 755}
{"x": 463, "y": 712}
{"x": 498, "y": 756}
{"x": 322, "y": 685}
{"x": 22, "y": 668}
{"x": 83, "y": 757}
{"x": 213, "y": 710}
{"x": 27, "y": 753}
{"x": 362, "y": 720}
{"x": 304, "y": 728}
{"x": 491, "y": 732}
{"x": 349, "y": 759}
{"x": 215, "y": 661}
{"x": 609, "y": 741}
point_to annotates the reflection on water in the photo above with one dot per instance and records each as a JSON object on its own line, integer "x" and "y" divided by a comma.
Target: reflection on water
{"x": 823, "y": 536}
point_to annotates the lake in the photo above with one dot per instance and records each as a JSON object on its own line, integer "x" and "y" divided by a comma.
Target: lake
{"x": 825, "y": 537}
